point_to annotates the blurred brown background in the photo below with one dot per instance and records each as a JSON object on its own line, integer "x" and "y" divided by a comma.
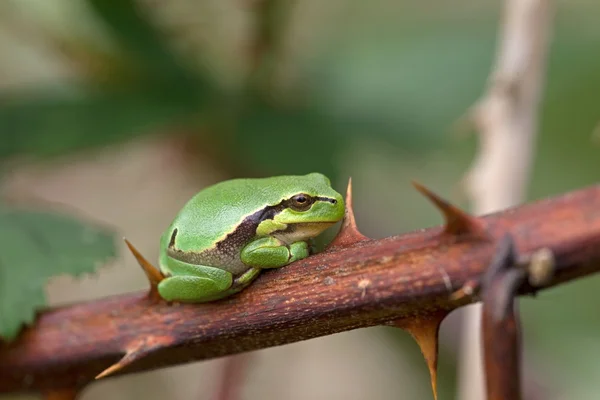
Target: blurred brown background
{"x": 121, "y": 110}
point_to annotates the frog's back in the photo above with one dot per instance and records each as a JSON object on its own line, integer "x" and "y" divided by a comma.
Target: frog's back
{"x": 217, "y": 210}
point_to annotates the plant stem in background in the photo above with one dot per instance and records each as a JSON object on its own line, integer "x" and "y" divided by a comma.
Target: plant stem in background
{"x": 506, "y": 118}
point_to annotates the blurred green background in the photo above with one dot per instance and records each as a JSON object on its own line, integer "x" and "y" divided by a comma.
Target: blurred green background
{"x": 123, "y": 109}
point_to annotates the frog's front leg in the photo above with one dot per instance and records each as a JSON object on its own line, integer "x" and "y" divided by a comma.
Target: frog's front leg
{"x": 269, "y": 252}
{"x": 194, "y": 283}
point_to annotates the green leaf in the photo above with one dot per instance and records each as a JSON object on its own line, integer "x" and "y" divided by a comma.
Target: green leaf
{"x": 159, "y": 92}
{"x": 94, "y": 118}
{"x": 35, "y": 246}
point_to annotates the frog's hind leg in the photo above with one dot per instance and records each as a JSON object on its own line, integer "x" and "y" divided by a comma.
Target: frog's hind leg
{"x": 195, "y": 284}
{"x": 243, "y": 281}
{"x": 240, "y": 283}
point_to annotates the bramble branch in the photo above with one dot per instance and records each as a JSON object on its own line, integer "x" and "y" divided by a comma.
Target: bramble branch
{"x": 356, "y": 283}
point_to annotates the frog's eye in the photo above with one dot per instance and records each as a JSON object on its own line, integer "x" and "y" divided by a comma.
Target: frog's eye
{"x": 301, "y": 202}
{"x": 300, "y": 199}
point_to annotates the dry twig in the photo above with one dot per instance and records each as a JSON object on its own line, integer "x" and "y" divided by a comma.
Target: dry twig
{"x": 506, "y": 119}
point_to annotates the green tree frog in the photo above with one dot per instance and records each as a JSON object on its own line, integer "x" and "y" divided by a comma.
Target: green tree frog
{"x": 228, "y": 232}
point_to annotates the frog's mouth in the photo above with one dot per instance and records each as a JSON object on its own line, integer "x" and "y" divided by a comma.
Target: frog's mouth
{"x": 302, "y": 231}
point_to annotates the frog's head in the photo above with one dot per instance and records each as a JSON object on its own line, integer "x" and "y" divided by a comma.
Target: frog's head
{"x": 310, "y": 205}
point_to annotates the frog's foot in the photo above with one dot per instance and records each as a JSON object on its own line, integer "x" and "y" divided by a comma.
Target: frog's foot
{"x": 195, "y": 284}
{"x": 270, "y": 252}
{"x": 239, "y": 284}
{"x": 243, "y": 281}
{"x": 298, "y": 251}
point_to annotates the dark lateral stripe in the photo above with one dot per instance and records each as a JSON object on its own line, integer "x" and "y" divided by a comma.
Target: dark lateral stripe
{"x": 247, "y": 228}
{"x": 327, "y": 199}
{"x": 172, "y": 241}
{"x": 244, "y": 232}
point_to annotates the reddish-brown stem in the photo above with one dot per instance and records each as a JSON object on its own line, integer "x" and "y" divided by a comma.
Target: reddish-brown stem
{"x": 371, "y": 282}
{"x": 501, "y": 336}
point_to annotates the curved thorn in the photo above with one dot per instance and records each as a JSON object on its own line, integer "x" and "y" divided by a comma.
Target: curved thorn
{"x": 135, "y": 351}
{"x": 349, "y": 233}
{"x": 349, "y": 219}
{"x": 458, "y": 222}
{"x": 152, "y": 273}
{"x": 127, "y": 359}
{"x": 467, "y": 290}
{"x": 425, "y": 331}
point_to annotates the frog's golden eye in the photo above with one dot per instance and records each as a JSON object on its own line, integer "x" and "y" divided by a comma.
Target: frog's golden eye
{"x": 301, "y": 202}
{"x": 300, "y": 199}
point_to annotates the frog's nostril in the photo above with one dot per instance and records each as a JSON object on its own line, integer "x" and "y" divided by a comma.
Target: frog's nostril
{"x": 333, "y": 201}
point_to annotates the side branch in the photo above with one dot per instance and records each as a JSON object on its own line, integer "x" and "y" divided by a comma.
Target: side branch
{"x": 368, "y": 283}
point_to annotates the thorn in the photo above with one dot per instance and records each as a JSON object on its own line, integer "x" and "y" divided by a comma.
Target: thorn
{"x": 129, "y": 357}
{"x": 114, "y": 368}
{"x": 467, "y": 290}
{"x": 349, "y": 233}
{"x": 152, "y": 273}
{"x": 458, "y": 222}
{"x": 425, "y": 329}
{"x": 136, "y": 351}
